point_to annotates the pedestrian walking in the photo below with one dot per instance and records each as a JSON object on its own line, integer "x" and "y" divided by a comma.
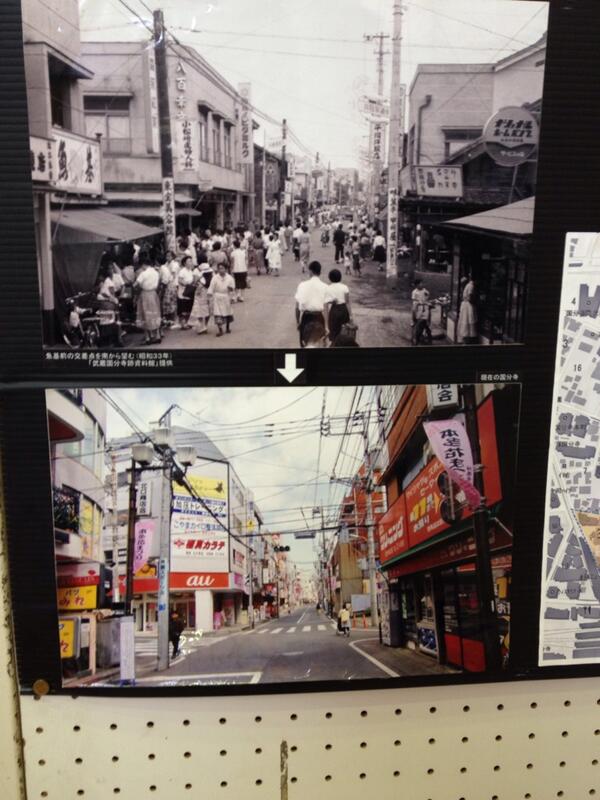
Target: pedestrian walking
{"x": 288, "y": 236}
{"x": 297, "y": 233}
{"x": 221, "y": 290}
{"x": 344, "y": 618}
{"x": 217, "y": 257}
{"x": 148, "y": 316}
{"x": 339, "y": 239}
{"x": 379, "y": 252}
{"x": 274, "y": 255}
{"x": 338, "y": 304}
{"x": 200, "y": 313}
{"x": 239, "y": 269}
{"x": 355, "y": 254}
{"x": 258, "y": 246}
{"x": 169, "y": 299}
{"x": 281, "y": 237}
{"x": 304, "y": 241}
{"x": 466, "y": 329}
{"x": 311, "y": 298}
{"x": 176, "y": 627}
{"x": 185, "y": 293}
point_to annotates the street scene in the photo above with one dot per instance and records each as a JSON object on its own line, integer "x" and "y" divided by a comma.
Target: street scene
{"x": 196, "y": 171}
{"x": 266, "y": 535}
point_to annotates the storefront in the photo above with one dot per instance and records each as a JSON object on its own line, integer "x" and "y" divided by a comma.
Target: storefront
{"x": 428, "y": 553}
{"x": 492, "y": 248}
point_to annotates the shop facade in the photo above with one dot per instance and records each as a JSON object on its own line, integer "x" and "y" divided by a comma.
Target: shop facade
{"x": 431, "y": 597}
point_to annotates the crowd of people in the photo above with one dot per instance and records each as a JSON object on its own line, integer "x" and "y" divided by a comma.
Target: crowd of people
{"x": 206, "y": 273}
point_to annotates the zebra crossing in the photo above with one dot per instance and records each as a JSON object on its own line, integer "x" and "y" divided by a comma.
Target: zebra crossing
{"x": 320, "y": 628}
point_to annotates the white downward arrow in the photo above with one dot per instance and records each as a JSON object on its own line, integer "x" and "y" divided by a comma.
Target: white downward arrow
{"x": 290, "y": 372}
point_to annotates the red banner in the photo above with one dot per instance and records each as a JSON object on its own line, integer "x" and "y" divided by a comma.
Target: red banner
{"x": 393, "y": 538}
{"x": 192, "y": 581}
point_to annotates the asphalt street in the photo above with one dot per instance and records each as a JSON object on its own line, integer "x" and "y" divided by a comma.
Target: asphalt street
{"x": 266, "y": 318}
{"x": 301, "y": 646}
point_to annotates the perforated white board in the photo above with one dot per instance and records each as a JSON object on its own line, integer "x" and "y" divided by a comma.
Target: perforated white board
{"x": 482, "y": 742}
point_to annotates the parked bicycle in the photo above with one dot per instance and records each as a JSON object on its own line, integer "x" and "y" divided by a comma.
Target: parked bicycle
{"x": 82, "y": 326}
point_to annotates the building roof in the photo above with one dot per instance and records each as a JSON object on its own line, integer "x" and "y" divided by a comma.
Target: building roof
{"x": 515, "y": 219}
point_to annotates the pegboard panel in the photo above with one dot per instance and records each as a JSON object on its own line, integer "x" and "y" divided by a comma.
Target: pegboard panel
{"x": 535, "y": 740}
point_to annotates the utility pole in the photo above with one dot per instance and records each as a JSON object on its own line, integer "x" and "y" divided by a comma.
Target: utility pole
{"x": 283, "y": 170}
{"x": 164, "y": 117}
{"x": 115, "y": 526}
{"x": 484, "y": 575}
{"x": 395, "y": 145}
{"x": 376, "y": 164}
{"x": 263, "y": 188}
{"x": 131, "y": 537}
{"x": 164, "y": 551}
{"x": 370, "y": 523}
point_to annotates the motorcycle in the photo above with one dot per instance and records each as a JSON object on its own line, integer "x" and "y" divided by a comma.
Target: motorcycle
{"x": 82, "y": 326}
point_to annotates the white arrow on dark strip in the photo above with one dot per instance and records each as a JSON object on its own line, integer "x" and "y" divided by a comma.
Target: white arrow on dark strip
{"x": 290, "y": 372}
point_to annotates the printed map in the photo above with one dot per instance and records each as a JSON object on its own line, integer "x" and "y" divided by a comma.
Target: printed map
{"x": 570, "y": 610}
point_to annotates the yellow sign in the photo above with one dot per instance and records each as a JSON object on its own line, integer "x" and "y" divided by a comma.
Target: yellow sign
{"x": 66, "y": 632}
{"x": 204, "y": 487}
{"x": 77, "y": 598}
{"x": 250, "y": 525}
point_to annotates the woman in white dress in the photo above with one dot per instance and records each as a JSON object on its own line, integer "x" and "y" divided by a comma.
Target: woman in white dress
{"x": 274, "y": 255}
{"x": 221, "y": 290}
{"x": 466, "y": 329}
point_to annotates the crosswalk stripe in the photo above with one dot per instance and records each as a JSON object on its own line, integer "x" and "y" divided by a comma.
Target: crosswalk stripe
{"x": 305, "y": 628}
{"x": 264, "y": 630}
{"x": 291, "y": 630}
{"x": 321, "y": 627}
{"x": 277, "y": 630}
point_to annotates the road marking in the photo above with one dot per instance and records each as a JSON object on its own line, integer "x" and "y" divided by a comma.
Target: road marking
{"x": 372, "y": 659}
{"x": 254, "y": 677}
{"x": 277, "y": 630}
{"x": 321, "y": 628}
{"x": 302, "y": 617}
{"x": 292, "y": 629}
{"x": 264, "y": 630}
{"x": 294, "y": 653}
{"x": 306, "y": 628}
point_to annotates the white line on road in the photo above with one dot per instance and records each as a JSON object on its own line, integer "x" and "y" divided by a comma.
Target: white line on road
{"x": 263, "y": 630}
{"x": 321, "y": 628}
{"x": 292, "y": 629}
{"x": 306, "y": 628}
{"x": 302, "y": 617}
{"x": 372, "y": 659}
{"x": 277, "y": 630}
{"x": 254, "y": 677}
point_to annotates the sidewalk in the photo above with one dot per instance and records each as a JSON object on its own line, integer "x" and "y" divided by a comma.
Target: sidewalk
{"x": 402, "y": 661}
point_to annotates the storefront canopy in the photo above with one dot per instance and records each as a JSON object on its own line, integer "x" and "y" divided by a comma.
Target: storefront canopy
{"x": 96, "y": 225}
{"x": 144, "y": 197}
{"x": 152, "y": 212}
{"x": 515, "y": 219}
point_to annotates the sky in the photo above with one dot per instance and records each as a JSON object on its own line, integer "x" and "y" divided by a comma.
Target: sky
{"x": 307, "y": 60}
{"x": 287, "y": 473}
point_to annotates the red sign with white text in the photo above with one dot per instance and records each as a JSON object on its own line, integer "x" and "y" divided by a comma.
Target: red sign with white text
{"x": 393, "y": 536}
{"x": 192, "y": 581}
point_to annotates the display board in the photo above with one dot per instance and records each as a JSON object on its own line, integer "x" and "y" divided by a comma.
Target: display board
{"x": 289, "y": 439}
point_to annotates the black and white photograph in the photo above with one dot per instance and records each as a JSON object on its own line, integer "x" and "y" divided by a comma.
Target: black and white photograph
{"x": 282, "y": 535}
{"x": 260, "y": 175}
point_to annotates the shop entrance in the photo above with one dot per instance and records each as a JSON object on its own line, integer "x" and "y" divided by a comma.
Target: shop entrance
{"x": 462, "y": 629}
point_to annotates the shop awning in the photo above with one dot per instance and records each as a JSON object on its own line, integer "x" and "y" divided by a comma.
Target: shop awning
{"x": 151, "y": 212}
{"x": 102, "y": 225}
{"x": 515, "y": 219}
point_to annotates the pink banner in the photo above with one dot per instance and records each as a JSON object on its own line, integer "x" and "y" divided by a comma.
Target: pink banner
{"x": 144, "y": 531}
{"x": 450, "y": 443}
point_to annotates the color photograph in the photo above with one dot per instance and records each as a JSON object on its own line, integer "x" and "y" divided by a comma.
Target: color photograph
{"x": 358, "y": 179}
{"x": 282, "y": 535}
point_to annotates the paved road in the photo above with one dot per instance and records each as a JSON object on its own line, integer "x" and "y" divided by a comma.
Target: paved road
{"x": 302, "y": 646}
{"x": 266, "y": 318}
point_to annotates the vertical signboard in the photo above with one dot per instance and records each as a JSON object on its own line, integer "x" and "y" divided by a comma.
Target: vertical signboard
{"x": 246, "y": 133}
{"x": 168, "y": 211}
{"x": 199, "y": 534}
{"x": 392, "y": 243}
{"x": 152, "y": 119}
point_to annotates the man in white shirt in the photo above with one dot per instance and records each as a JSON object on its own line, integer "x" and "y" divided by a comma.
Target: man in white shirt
{"x": 311, "y": 298}
{"x": 239, "y": 268}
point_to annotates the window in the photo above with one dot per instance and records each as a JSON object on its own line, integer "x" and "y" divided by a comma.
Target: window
{"x": 456, "y": 138}
{"x": 216, "y": 143}
{"x": 203, "y": 136}
{"x": 60, "y": 99}
{"x": 227, "y": 146}
{"x": 109, "y": 116}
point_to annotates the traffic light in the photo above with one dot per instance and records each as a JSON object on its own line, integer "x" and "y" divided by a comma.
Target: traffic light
{"x": 281, "y": 548}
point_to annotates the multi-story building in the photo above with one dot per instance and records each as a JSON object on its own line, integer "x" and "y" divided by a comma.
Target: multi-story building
{"x": 76, "y": 426}
{"x": 212, "y": 185}
{"x": 450, "y": 179}
{"x": 209, "y": 567}
{"x": 427, "y": 539}
{"x": 267, "y": 184}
